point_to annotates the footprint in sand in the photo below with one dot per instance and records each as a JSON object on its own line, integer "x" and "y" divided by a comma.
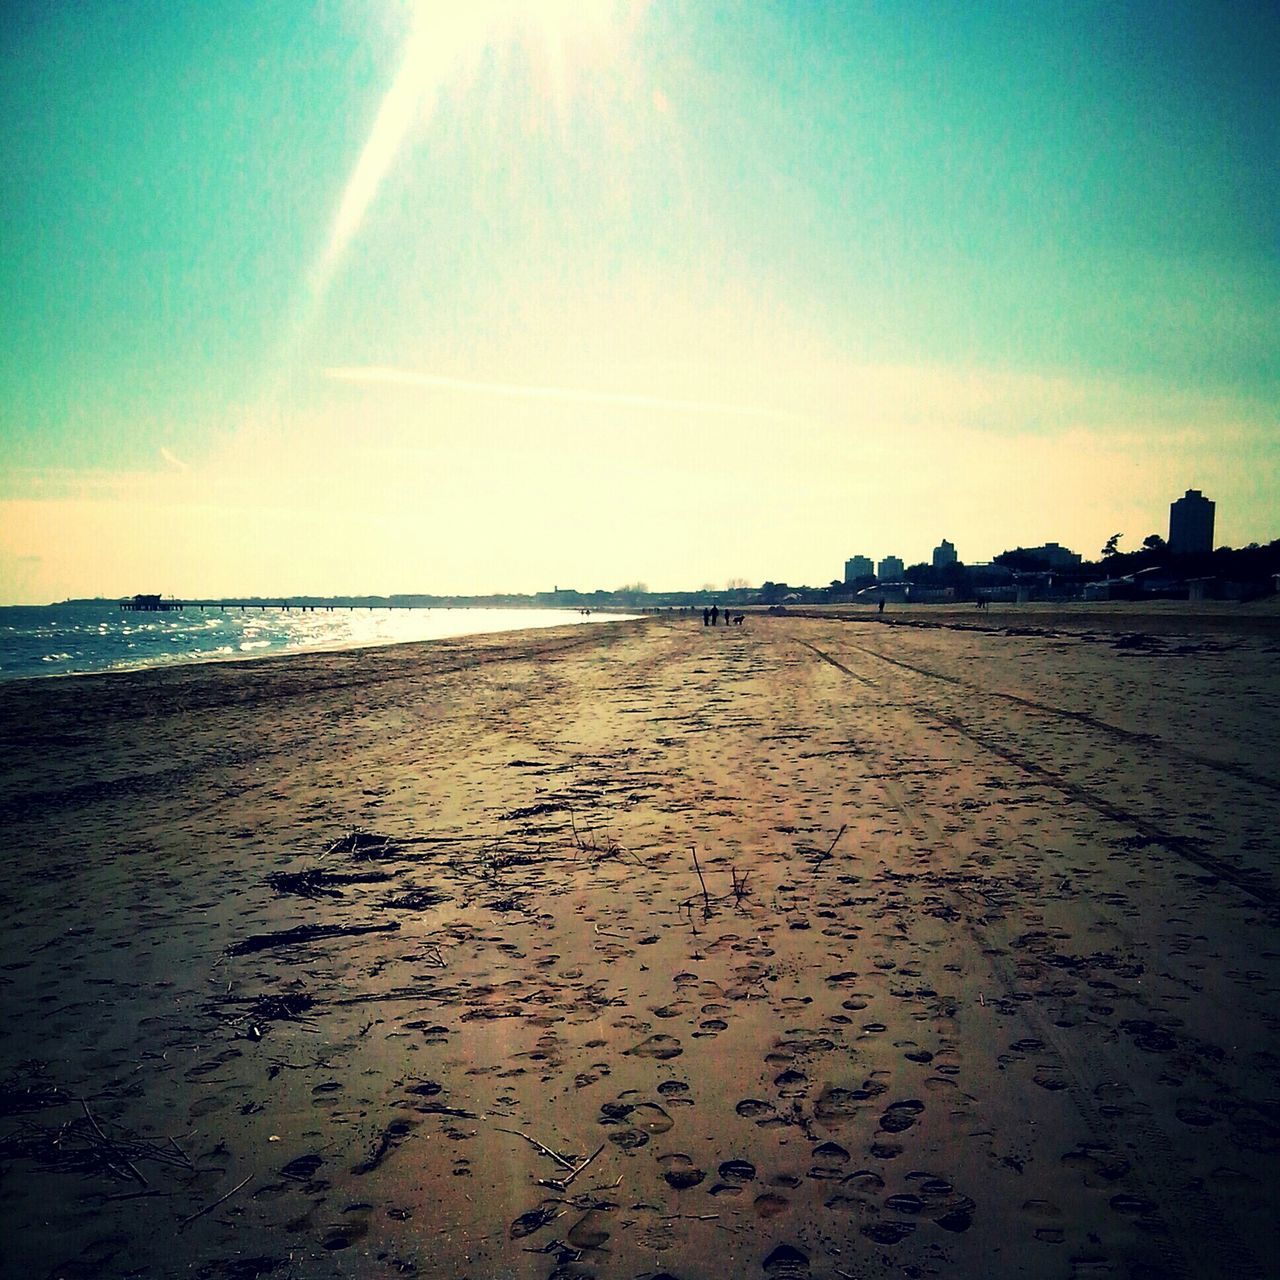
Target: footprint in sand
{"x": 935, "y": 1198}
{"x": 679, "y": 1171}
{"x": 1133, "y": 1205}
{"x": 660, "y": 1047}
{"x": 650, "y": 1117}
{"x": 888, "y": 1232}
{"x": 770, "y": 1205}
{"x": 829, "y": 1159}
{"x": 207, "y": 1106}
{"x": 629, "y": 1139}
{"x": 1050, "y": 1076}
{"x": 900, "y": 1116}
{"x": 836, "y": 1104}
{"x": 669, "y": 1010}
{"x": 734, "y": 1175}
{"x": 859, "y": 1192}
{"x": 303, "y": 1168}
{"x": 591, "y": 1230}
{"x": 791, "y": 1083}
{"x": 787, "y": 1262}
{"x": 354, "y": 1226}
{"x": 1097, "y": 1166}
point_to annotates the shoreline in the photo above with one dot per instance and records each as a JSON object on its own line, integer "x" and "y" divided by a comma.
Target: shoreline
{"x": 974, "y": 971}
{"x": 171, "y": 661}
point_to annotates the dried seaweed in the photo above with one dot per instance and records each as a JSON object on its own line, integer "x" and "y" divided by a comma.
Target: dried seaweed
{"x": 303, "y": 934}
{"x": 316, "y": 883}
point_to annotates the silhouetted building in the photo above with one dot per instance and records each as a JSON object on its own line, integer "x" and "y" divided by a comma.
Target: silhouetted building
{"x": 890, "y": 569}
{"x": 856, "y": 567}
{"x": 1053, "y": 555}
{"x": 1191, "y": 523}
{"x": 944, "y": 554}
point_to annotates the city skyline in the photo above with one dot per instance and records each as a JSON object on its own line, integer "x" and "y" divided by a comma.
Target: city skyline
{"x": 378, "y": 298}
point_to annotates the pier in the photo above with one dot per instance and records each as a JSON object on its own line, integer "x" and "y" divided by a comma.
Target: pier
{"x": 158, "y": 604}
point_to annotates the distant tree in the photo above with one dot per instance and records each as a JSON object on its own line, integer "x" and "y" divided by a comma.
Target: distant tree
{"x": 1021, "y": 561}
{"x": 737, "y": 584}
{"x": 772, "y": 592}
{"x": 1154, "y": 542}
{"x": 1112, "y": 546}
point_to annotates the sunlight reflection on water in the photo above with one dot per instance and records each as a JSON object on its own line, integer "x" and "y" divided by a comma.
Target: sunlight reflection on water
{"x": 77, "y": 639}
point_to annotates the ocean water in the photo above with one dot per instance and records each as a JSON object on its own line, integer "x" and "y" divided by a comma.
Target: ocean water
{"x": 56, "y": 640}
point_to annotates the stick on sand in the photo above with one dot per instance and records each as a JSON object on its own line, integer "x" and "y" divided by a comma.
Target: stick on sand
{"x": 546, "y": 1151}
{"x": 706, "y": 900}
{"x": 199, "y": 1213}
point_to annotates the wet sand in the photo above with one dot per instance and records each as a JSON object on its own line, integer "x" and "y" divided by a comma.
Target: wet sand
{"x": 400, "y": 962}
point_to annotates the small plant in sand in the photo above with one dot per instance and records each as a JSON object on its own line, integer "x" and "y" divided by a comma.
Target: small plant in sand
{"x": 607, "y": 847}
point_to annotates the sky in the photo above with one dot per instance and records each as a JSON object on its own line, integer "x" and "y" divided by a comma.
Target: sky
{"x": 369, "y": 296}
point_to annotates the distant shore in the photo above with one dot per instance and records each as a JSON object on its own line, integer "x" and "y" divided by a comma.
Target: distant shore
{"x": 804, "y": 948}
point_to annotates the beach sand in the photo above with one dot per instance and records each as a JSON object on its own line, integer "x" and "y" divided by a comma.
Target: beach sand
{"x": 975, "y": 974}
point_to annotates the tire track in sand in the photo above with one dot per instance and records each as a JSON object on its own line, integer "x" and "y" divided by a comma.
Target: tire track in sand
{"x": 1187, "y": 1218}
{"x": 1256, "y": 884}
{"x": 1238, "y": 771}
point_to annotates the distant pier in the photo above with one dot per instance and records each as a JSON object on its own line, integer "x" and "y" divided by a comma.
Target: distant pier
{"x": 158, "y": 604}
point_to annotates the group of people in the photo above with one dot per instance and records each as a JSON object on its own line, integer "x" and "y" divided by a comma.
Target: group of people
{"x": 711, "y": 617}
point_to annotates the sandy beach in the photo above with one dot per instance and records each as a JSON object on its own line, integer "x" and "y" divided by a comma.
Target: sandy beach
{"x": 944, "y": 946}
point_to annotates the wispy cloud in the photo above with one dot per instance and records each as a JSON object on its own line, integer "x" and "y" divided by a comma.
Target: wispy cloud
{"x": 382, "y": 375}
{"x": 173, "y": 460}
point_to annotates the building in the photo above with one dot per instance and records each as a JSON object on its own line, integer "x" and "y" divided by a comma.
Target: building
{"x": 890, "y": 569}
{"x": 944, "y": 554}
{"x": 1191, "y": 524}
{"x": 1052, "y": 555}
{"x": 858, "y": 567}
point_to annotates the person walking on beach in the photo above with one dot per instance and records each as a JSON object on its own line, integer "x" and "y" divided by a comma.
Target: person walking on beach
{"x": 706, "y": 617}
{"x": 880, "y": 609}
{"x": 715, "y": 615}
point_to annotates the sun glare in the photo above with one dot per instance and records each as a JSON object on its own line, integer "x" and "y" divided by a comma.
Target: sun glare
{"x": 443, "y": 48}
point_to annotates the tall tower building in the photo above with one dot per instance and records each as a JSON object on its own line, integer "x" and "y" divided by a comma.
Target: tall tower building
{"x": 890, "y": 569}
{"x": 856, "y": 567}
{"x": 1191, "y": 523}
{"x": 943, "y": 555}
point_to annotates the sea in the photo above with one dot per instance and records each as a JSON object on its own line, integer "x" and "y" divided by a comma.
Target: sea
{"x": 76, "y": 639}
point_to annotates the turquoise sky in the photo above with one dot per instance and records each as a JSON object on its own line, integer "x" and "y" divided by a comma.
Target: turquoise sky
{"x": 835, "y": 267}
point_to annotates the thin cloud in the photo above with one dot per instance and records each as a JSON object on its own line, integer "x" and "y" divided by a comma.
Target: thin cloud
{"x": 173, "y": 460}
{"x": 381, "y": 375}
